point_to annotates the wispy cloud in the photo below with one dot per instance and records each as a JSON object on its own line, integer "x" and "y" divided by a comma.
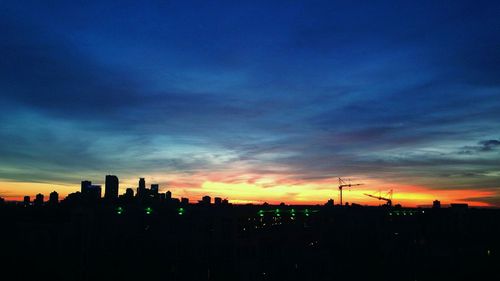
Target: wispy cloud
{"x": 241, "y": 93}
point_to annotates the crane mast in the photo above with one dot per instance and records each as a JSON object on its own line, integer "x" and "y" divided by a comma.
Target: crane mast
{"x": 342, "y": 184}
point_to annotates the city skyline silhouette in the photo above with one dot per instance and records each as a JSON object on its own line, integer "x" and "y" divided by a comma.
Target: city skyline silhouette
{"x": 111, "y": 192}
{"x": 259, "y": 102}
{"x": 152, "y": 235}
{"x": 191, "y": 140}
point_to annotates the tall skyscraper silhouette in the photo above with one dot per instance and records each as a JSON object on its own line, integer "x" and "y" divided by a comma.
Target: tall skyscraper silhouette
{"x": 141, "y": 190}
{"x": 111, "y": 187}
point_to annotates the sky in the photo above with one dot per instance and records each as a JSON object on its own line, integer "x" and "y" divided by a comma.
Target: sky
{"x": 256, "y": 101}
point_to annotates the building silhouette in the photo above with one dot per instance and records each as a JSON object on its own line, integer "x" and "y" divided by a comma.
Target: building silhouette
{"x": 26, "y": 200}
{"x": 436, "y": 204}
{"x": 154, "y": 189}
{"x": 217, "y": 201}
{"x": 38, "y": 200}
{"x": 129, "y": 193}
{"x": 141, "y": 190}
{"x": 53, "y": 198}
{"x": 111, "y": 187}
{"x": 93, "y": 192}
{"x": 330, "y": 203}
{"x": 84, "y": 187}
{"x": 459, "y": 206}
{"x": 206, "y": 200}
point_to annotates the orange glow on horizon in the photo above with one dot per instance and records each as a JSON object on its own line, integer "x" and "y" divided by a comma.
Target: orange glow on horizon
{"x": 257, "y": 190}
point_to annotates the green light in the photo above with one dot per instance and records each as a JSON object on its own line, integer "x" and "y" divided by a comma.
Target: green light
{"x": 149, "y": 211}
{"x": 181, "y": 211}
{"x": 119, "y": 210}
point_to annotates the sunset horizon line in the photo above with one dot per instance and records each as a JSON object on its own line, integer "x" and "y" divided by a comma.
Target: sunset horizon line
{"x": 413, "y": 199}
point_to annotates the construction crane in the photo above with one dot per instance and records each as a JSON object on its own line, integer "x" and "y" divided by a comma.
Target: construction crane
{"x": 387, "y": 198}
{"x": 342, "y": 184}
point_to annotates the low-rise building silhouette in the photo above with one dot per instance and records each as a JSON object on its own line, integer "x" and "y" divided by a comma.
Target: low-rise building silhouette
{"x": 26, "y": 200}
{"x": 54, "y": 198}
{"x": 205, "y": 200}
{"x": 154, "y": 189}
{"x": 38, "y": 200}
{"x": 84, "y": 186}
{"x": 329, "y": 203}
{"x": 436, "y": 204}
{"x": 218, "y": 201}
{"x": 94, "y": 192}
{"x": 129, "y": 193}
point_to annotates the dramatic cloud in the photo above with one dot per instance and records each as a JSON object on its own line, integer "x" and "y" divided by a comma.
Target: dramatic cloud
{"x": 483, "y": 146}
{"x": 489, "y": 145}
{"x": 260, "y": 96}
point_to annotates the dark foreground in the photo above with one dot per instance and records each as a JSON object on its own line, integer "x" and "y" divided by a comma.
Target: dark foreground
{"x": 193, "y": 242}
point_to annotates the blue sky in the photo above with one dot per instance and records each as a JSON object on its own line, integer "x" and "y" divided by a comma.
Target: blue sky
{"x": 404, "y": 91}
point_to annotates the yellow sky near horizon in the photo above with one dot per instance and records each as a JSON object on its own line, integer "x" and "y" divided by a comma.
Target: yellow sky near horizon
{"x": 258, "y": 192}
